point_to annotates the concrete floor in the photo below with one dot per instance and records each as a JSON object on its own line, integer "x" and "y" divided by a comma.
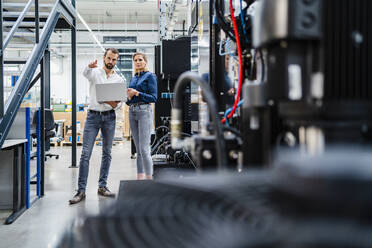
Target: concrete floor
{"x": 45, "y": 221}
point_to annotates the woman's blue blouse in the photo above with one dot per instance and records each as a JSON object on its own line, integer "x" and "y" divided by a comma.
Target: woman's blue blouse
{"x": 146, "y": 84}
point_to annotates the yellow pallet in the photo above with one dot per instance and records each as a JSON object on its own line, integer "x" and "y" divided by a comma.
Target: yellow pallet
{"x": 67, "y": 143}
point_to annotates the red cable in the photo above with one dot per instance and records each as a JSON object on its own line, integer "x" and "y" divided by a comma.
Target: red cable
{"x": 240, "y": 63}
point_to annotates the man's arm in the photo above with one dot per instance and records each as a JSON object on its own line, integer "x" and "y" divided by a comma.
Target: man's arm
{"x": 88, "y": 73}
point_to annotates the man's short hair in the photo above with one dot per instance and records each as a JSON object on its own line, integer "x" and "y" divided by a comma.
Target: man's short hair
{"x": 113, "y": 50}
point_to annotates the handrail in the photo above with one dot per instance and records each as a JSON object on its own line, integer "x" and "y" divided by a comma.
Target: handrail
{"x": 67, "y": 5}
{"x": 16, "y": 24}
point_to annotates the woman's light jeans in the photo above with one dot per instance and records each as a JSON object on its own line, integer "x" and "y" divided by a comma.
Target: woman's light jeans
{"x": 141, "y": 121}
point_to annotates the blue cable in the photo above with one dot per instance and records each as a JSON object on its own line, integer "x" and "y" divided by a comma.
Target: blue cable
{"x": 220, "y": 49}
{"x": 228, "y": 111}
{"x": 215, "y": 19}
{"x": 243, "y": 21}
{"x": 229, "y": 52}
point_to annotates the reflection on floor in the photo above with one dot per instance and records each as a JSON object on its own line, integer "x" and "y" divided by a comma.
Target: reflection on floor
{"x": 42, "y": 224}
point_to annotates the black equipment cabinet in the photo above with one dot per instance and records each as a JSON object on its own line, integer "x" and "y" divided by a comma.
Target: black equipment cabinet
{"x": 172, "y": 58}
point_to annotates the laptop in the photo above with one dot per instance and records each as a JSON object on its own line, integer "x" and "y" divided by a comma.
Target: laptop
{"x": 111, "y": 92}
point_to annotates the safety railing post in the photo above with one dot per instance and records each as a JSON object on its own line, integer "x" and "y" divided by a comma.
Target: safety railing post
{"x": 38, "y": 152}
{"x": 28, "y": 155}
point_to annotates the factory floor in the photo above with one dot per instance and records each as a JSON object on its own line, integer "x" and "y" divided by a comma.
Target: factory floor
{"x": 48, "y": 217}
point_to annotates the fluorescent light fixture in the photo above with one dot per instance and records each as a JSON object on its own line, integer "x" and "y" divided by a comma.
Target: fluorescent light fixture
{"x": 90, "y": 31}
{"x": 98, "y": 42}
{"x": 117, "y": 1}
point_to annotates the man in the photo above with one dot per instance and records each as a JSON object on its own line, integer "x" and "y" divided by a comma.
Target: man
{"x": 229, "y": 89}
{"x": 101, "y": 116}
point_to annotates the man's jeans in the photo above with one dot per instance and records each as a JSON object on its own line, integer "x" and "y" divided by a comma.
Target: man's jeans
{"x": 93, "y": 123}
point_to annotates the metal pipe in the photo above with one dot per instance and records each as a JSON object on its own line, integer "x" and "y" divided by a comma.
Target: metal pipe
{"x": 177, "y": 117}
{"x": 36, "y": 21}
{"x": 46, "y": 73}
{"x": 73, "y": 89}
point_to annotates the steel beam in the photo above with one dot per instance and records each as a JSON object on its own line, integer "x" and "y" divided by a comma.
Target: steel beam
{"x": 73, "y": 88}
{"x": 1, "y": 63}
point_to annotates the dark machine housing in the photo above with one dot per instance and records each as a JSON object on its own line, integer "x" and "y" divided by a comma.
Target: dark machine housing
{"x": 317, "y": 59}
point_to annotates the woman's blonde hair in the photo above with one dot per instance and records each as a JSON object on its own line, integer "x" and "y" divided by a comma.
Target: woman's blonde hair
{"x": 144, "y": 56}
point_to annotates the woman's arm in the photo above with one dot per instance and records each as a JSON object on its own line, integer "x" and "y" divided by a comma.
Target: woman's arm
{"x": 152, "y": 94}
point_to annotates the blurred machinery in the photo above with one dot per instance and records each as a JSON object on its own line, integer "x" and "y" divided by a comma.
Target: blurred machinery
{"x": 300, "y": 70}
{"x": 316, "y": 91}
{"x": 261, "y": 209}
{"x": 302, "y": 80}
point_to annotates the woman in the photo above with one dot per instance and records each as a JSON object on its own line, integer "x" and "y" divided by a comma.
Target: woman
{"x": 141, "y": 92}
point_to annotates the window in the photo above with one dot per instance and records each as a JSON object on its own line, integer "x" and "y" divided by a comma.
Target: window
{"x": 125, "y": 63}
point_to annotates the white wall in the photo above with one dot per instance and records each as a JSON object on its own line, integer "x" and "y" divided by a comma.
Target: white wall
{"x": 60, "y": 79}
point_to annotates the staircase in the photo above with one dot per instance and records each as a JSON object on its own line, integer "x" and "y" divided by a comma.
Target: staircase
{"x": 26, "y": 25}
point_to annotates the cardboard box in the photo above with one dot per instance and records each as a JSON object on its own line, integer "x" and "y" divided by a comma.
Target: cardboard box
{"x": 79, "y": 138}
{"x": 126, "y": 125}
{"x": 28, "y": 105}
{"x": 62, "y": 116}
{"x": 68, "y": 137}
{"x": 80, "y": 120}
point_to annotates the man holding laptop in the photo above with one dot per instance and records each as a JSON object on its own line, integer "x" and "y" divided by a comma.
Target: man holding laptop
{"x": 107, "y": 89}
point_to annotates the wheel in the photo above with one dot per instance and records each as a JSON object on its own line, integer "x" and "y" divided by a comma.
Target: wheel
{"x": 57, "y": 157}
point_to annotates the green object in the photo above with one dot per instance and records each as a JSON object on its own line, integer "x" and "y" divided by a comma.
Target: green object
{"x": 58, "y": 108}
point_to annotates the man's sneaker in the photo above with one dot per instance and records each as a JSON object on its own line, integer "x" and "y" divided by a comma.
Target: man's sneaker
{"x": 104, "y": 191}
{"x": 78, "y": 197}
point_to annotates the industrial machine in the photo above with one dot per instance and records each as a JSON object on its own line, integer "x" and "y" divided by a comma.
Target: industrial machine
{"x": 316, "y": 90}
{"x": 302, "y": 80}
{"x": 172, "y": 58}
{"x": 289, "y": 164}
